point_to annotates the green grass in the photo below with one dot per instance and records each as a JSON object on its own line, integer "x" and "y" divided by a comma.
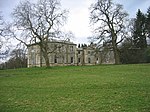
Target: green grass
{"x": 105, "y": 88}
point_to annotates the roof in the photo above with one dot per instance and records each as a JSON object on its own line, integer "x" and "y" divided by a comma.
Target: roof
{"x": 62, "y": 41}
{"x": 55, "y": 41}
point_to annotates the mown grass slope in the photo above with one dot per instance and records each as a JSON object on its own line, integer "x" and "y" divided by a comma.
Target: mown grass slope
{"x": 105, "y": 88}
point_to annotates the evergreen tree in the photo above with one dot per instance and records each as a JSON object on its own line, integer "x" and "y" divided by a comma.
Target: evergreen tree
{"x": 139, "y": 33}
{"x": 148, "y": 22}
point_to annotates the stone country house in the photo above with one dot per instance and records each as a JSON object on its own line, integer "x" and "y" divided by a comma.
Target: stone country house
{"x": 65, "y": 53}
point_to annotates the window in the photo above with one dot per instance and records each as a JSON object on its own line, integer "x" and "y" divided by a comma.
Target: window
{"x": 55, "y": 59}
{"x": 59, "y": 48}
{"x": 55, "y": 46}
{"x": 71, "y": 59}
{"x": 89, "y": 52}
{"x": 97, "y": 61}
{"x": 89, "y": 60}
{"x": 78, "y": 52}
{"x": 79, "y": 60}
{"x": 71, "y": 48}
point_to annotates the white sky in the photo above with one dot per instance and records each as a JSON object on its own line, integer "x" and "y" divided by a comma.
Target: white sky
{"x": 78, "y": 19}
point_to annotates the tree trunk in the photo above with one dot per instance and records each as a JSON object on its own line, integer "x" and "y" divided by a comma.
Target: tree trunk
{"x": 116, "y": 56}
{"x": 47, "y": 62}
{"x": 46, "y": 59}
{"x": 41, "y": 57}
{"x": 83, "y": 60}
{"x": 44, "y": 48}
{"x": 67, "y": 54}
{"x": 115, "y": 49}
{"x": 45, "y": 55}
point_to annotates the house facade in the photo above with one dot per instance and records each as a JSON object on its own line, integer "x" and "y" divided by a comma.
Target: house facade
{"x": 63, "y": 53}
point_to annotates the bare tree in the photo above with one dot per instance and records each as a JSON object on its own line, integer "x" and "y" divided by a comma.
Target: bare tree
{"x": 38, "y": 23}
{"x": 4, "y": 40}
{"x": 109, "y": 20}
{"x": 17, "y": 59}
{"x": 1, "y": 31}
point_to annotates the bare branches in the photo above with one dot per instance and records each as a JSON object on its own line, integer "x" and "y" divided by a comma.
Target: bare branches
{"x": 109, "y": 16}
{"x": 109, "y": 21}
{"x": 39, "y": 22}
{"x": 3, "y": 35}
{"x": 41, "y": 19}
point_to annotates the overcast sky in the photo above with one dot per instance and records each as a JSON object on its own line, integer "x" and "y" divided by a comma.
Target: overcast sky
{"x": 78, "y": 20}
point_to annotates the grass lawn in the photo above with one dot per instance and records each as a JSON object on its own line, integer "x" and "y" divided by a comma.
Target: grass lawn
{"x": 105, "y": 88}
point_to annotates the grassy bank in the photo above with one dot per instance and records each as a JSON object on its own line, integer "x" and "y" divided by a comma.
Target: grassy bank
{"x": 106, "y": 88}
